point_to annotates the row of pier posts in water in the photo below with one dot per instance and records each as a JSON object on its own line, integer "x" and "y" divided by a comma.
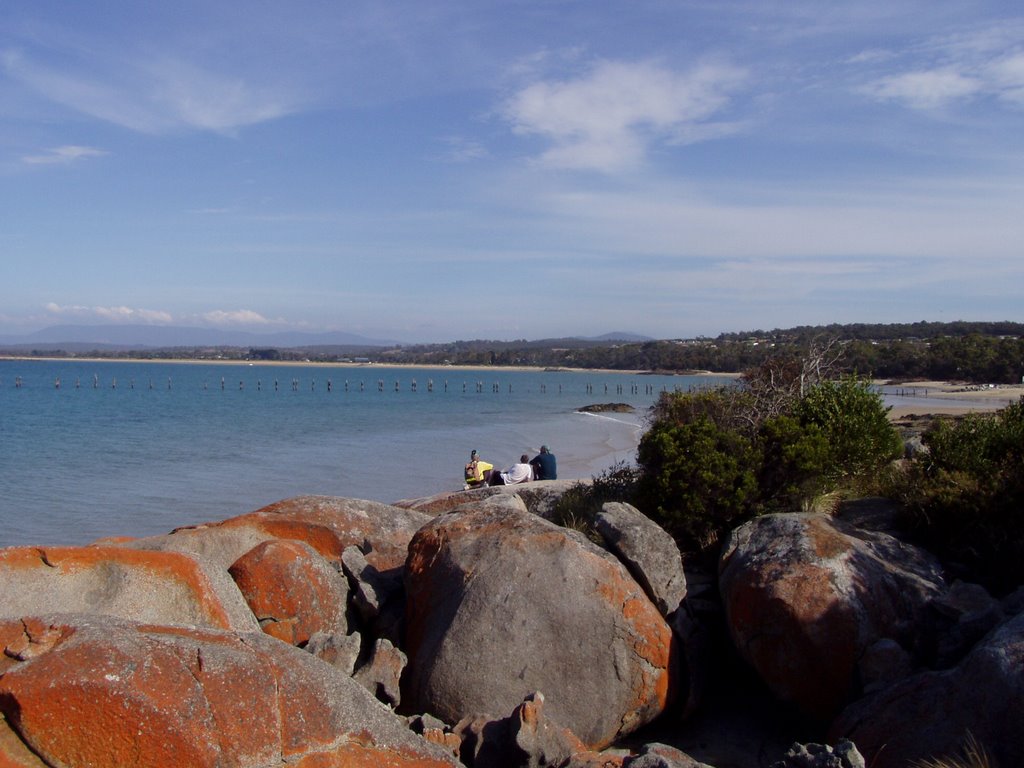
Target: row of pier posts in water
{"x": 295, "y": 385}
{"x": 57, "y": 382}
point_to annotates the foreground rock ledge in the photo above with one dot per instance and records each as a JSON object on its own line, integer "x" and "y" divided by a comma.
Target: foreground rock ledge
{"x": 102, "y": 692}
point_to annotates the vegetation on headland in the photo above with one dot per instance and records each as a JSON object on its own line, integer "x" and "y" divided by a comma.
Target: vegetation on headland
{"x": 713, "y": 459}
{"x": 963, "y": 496}
{"x": 980, "y": 352}
{"x": 800, "y": 434}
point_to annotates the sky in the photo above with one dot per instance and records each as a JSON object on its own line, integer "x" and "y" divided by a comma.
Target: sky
{"x": 435, "y": 170}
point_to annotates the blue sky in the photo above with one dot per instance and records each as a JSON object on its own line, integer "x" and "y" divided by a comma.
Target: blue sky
{"x": 431, "y": 171}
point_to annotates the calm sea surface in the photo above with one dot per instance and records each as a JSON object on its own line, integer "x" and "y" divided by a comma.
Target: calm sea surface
{"x": 136, "y": 449}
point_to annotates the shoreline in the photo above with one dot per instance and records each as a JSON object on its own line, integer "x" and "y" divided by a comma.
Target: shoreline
{"x": 958, "y": 398}
{"x": 962, "y": 397}
{"x": 927, "y": 397}
{"x": 367, "y": 366}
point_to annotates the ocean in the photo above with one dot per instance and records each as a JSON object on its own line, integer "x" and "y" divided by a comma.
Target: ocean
{"x": 91, "y": 449}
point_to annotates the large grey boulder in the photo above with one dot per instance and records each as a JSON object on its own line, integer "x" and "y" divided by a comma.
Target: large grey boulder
{"x": 930, "y": 714}
{"x": 501, "y": 603}
{"x": 962, "y": 616}
{"x": 805, "y": 595}
{"x": 647, "y": 550}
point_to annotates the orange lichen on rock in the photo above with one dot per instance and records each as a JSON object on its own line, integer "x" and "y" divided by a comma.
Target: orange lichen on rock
{"x": 292, "y": 590}
{"x": 168, "y": 587}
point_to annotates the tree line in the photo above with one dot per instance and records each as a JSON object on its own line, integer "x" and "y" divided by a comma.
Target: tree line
{"x": 970, "y": 356}
{"x": 974, "y": 352}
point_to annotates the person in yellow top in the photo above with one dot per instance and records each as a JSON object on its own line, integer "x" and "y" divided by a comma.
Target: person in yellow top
{"x": 478, "y": 472}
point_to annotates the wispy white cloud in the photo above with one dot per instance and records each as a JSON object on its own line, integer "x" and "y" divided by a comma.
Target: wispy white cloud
{"x": 459, "y": 149}
{"x": 117, "y": 314}
{"x": 63, "y": 155}
{"x": 125, "y": 314}
{"x": 234, "y": 317}
{"x": 929, "y": 89}
{"x": 151, "y": 94}
{"x": 1007, "y": 74}
{"x": 608, "y": 118}
{"x": 686, "y": 227}
{"x": 950, "y": 70}
{"x": 207, "y": 100}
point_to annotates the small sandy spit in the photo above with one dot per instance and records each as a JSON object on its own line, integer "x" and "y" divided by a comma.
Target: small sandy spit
{"x": 951, "y": 398}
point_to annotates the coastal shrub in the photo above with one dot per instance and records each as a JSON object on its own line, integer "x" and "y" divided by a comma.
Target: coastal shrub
{"x": 964, "y": 496}
{"x": 578, "y": 507}
{"x": 713, "y": 459}
{"x": 698, "y": 481}
{"x": 794, "y": 459}
{"x": 854, "y": 422}
{"x": 728, "y": 407}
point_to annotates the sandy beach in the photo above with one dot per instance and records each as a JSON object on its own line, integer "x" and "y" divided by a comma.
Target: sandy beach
{"x": 951, "y": 398}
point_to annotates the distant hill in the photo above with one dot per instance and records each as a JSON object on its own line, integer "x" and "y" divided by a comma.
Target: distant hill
{"x": 619, "y": 336}
{"x": 115, "y": 338}
{"x": 884, "y": 331}
{"x": 125, "y": 337}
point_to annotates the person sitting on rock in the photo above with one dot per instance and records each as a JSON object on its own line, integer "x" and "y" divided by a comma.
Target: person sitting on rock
{"x": 544, "y": 466}
{"x": 517, "y": 473}
{"x": 478, "y": 472}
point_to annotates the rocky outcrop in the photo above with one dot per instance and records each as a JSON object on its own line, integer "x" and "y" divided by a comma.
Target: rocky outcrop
{"x": 931, "y": 714}
{"x": 155, "y": 587}
{"x": 661, "y": 756}
{"x": 806, "y": 595}
{"x": 843, "y": 755}
{"x": 292, "y": 590}
{"x": 378, "y": 599}
{"x": 573, "y": 624}
{"x": 156, "y": 657}
{"x": 649, "y": 553}
{"x": 539, "y": 497}
{"x": 328, "y": 524}
{"x": 381, "y": 673}
{"x": 338, "y": 650}
{"x": 527, "y": 737}
{"x": 97, "y": 691}
{"x": 285, "y": 558}
{"x": 167, "y": 629}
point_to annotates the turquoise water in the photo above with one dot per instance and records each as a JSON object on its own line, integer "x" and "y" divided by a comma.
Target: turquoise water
{"x": 122, "y": 448}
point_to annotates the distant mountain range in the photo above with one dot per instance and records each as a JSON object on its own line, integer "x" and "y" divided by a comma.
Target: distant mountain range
{"x": 78, "y": 338}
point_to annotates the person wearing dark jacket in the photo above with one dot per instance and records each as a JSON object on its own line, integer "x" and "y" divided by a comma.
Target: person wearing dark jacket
{"x": 544, "y": 465}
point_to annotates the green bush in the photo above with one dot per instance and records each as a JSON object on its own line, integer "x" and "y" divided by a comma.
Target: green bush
{"x": 964, "y": 497}
{"x": 794, "y": 459}
{"x": 698, "y": 481}
{"x": 982, "y": 444}
{"x": 854, "y": 421}
{"x": 713, "y": 459}
{"x": 729, "y": 408}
